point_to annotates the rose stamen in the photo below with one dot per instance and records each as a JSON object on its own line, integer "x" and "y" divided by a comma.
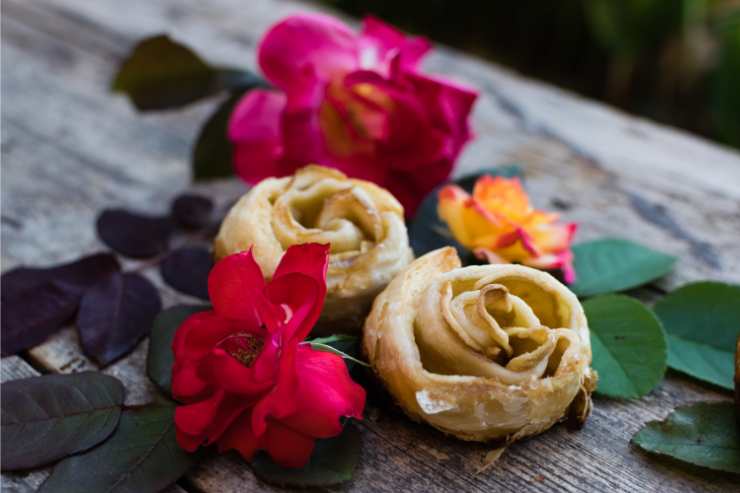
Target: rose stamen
{"x": 243, "y": 346}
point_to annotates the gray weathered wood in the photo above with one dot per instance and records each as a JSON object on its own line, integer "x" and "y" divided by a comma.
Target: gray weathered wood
{"x": 70, "y": 148}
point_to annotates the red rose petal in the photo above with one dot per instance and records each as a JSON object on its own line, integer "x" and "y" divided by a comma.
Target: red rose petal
{"x": 239, "y": 437}
{"x": 233, "y": 285}
{"x": 287, "y": 447}
{"x": 326, "y": 393}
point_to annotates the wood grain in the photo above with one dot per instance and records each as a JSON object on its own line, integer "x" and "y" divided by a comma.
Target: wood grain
{"x": 70, "y": 148}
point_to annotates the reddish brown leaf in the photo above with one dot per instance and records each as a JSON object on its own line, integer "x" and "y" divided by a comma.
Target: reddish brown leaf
{"x": 134, "y": 235}
{"x": 36, "y": 302}
{"x": 115, "y": 314}
{"x": 186, "y": 269}
{"x": 192, "y": 211}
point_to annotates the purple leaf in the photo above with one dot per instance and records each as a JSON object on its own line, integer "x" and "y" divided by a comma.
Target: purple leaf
{"x": 134, "y": 235}
{"x": 115, "y": 314}
{"x": 192, "y": 211}
{"x": 186, "y": 269}
{"x": 36, "y": 302}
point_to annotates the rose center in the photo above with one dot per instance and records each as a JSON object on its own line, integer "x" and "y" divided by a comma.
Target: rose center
{"x": 243, "y": 346}
{"x": 353, "y": 117}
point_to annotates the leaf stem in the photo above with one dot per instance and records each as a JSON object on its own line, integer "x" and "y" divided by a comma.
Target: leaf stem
{"x": 325, "y": 347}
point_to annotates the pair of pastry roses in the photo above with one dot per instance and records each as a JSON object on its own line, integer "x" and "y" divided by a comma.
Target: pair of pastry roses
{"x": 481, "y": 352}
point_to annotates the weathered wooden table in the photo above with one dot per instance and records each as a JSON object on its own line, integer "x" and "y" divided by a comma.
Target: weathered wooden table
{"x": 70, "y": 148}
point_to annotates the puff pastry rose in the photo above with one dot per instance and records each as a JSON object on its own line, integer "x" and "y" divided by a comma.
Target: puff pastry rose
{"x": 481, "y": 352}
{"x": 362, "y": 222}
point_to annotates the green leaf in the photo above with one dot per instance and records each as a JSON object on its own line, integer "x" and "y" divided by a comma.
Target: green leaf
{"x": 332, "y": 462}
{"x": 628, "y": 344}
{"x": 142, "y": 456}
{"x": 161, "y": 73}
{"x": 159, "y": 359}
{"x": 725, "y": 97}
{"x": 702, "y": 321}
{"x": 611, "y": 264}
{"x": 212, "y": 153}
{"x": 427, "y": 232}
{"x": 50, "y": 417}
{"x": 343, "y": 342}
{"x": 631, "y": 27}
{"x": 705, "y": 434}
{"x": 342, "y": 345}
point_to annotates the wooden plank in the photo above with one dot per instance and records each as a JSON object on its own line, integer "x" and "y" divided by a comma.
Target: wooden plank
{"x": 59, "y": 173}
{"x": 685, "y": 217}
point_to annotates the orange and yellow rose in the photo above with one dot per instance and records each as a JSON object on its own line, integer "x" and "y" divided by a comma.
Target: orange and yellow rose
{"x": 500, "y": 225}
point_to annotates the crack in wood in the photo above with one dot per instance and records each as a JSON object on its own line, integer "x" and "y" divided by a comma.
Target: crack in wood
{"x": 658, "y": 215}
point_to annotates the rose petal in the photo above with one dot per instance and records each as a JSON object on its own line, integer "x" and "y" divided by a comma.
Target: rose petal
{"x": 326, "y": 393}
{"x": 503, "y": 196}
{"x": 239, "y": 437}
{"x": 189, "y": 443}
{"x": 306, "y": 40}
{"x": 199, "y": 333}
{"x": 208, "y": 419}
{"x": 279, "y": 402}
{"x": 387, "y": 41}
{"x": 467, "y": 219}
{"x": 186, "y": 383}
{"x": 448, "y": 104}
{"x": 302, "y": 298}
{"x": 287, "y": 447}
{"x": 219, "y": 369}
{"x": 194, "y": 419}
{"x": 233, "y": 285}
{"x": 255, "y": 131}
{"x": 310, "y": 259}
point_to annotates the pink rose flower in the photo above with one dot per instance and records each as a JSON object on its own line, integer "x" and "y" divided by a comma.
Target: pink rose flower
{"x": 355, "y": 102}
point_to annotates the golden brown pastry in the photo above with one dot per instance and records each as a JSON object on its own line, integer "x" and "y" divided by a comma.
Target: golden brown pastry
{"x": 481, "y": 352}
{"x": 363, "y": 223}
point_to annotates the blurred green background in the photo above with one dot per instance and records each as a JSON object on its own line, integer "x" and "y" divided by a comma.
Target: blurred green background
{"x": 674, "y": 61}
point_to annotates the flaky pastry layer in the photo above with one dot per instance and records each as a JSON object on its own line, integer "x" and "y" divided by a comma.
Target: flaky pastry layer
{"x": 362, "y": 222}
{"x": 481, "y": 352}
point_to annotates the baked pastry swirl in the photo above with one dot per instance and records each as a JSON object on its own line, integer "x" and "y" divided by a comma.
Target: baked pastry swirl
{"x": 362, "y": 222}
{"x": 481, "y": 352}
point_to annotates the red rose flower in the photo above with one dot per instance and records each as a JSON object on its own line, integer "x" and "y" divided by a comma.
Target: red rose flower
{"x": 245, "y": 380}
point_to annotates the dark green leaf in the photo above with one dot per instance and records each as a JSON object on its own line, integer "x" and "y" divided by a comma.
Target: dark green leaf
{"x": 343, "y": 342}
{"x": 50, "y": 417}
{"x": 702, "y": 322}
{"x": 737, "y": 379}
{"x": 142, "y": 456}
{"x": 159, "y": 360}
{"x": 725, "y": 96}
{"x": 346, "y": 346}
{"x": 213, "y": 152}
{"x": 161, "y": 73}
{"x": 704, "y": 434}
{"x": 332, "y": 462}
{"x": 611, "y": 264}
{"x": 427, "y": 232}
{"x": 628, "y": 344}
{"x": 629, "y": 28}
